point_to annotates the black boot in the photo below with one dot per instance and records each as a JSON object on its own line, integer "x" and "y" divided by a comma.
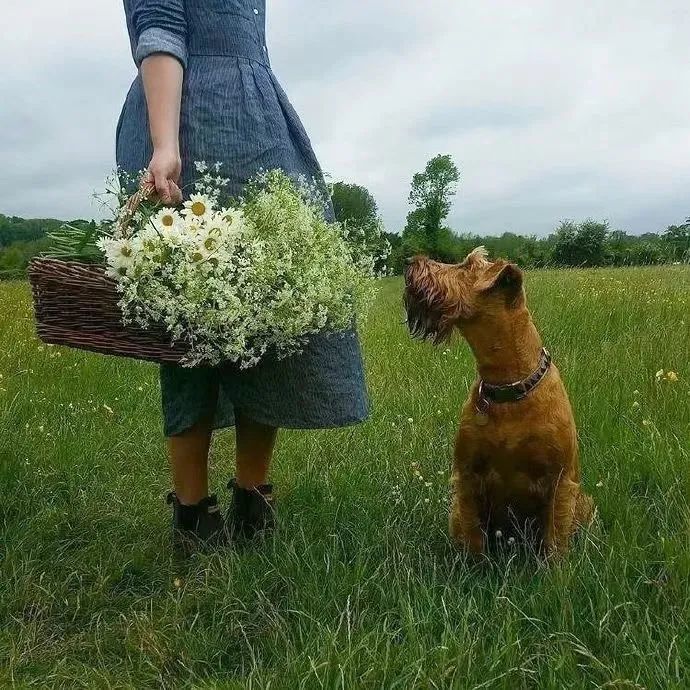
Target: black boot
{"x": 195, "y": 526}
{"x": 251, "y": 511}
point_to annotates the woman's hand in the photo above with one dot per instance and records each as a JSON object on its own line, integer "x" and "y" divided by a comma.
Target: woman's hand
{"x": 165, "y": 169}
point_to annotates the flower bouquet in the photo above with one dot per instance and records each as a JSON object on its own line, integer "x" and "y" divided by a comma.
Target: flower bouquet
{"x": 208, "y": 282}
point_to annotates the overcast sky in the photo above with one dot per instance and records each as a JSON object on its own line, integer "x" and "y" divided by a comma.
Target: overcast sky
{"x": 551, "y": 109}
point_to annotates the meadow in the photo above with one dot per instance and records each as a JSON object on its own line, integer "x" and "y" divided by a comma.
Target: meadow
{"x": 360, "y": 586}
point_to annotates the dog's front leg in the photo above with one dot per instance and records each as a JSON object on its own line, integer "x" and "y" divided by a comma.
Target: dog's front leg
{"x": 464, "y": 523}
{"x": 560, "y": 521}
{"x": 465, "y": 516}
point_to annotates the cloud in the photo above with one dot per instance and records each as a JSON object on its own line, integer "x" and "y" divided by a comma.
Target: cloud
{"x": 550, "y": 109}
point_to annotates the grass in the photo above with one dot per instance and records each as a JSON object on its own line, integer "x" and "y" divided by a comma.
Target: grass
{"x": 360, "y": 587}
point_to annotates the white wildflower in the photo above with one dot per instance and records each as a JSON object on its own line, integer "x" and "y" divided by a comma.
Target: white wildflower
{"x": 237, "y": 282}
{"x": 198, "y": 207}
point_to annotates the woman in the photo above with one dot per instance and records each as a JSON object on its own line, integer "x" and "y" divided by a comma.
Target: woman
{"x": 205, "y": 92}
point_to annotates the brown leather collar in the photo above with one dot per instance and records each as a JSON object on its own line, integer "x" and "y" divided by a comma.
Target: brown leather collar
{"x": 512, "y": 392}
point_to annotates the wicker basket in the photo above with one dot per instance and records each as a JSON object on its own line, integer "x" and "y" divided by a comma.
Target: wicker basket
{"x": 76, "y": 305}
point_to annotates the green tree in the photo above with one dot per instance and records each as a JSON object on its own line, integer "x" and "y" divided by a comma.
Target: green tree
{"x": 431, "y": 195}
{"x": 580, "y": 245}
{"x": 356, "y": 208}
{"x": 353, "y": 203}
{"x": 677, "y": 238}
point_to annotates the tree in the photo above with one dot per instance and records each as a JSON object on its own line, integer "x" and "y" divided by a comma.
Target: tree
{"x": 431, "y": 194}
{"x": 677, "y": 238}
{"x": 580, "y": 245}
{"x": 353, "y": 203}
{"x": 356, "y": 208}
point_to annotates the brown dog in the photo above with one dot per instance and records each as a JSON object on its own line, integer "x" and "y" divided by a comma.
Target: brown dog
{"x": 516, "y": 467}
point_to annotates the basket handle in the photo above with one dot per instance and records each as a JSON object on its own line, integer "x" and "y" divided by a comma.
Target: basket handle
{"x": 147, "y": 188}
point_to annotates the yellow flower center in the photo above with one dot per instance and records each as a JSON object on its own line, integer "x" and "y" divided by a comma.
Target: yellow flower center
{"x": 197, "y": 256}
{"x": 126, "y": 251}
{"x": 167, "y": 220}
{"x": 198, "y": 208}
{"x": 210, "y": 244}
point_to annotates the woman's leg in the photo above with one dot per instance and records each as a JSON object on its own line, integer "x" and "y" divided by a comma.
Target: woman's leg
{"x": 188, "y": 454}
{"x": 255, "y": 443}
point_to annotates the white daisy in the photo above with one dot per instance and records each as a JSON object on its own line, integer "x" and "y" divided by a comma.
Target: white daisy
{"x": 120, "y": 255}
{"x": 166, "y": 220}
{"x": 198, "y": 206}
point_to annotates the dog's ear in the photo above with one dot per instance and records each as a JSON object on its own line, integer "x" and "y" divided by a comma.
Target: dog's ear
{"x": 477, "y": 258}
{"x": 507, "y": 279}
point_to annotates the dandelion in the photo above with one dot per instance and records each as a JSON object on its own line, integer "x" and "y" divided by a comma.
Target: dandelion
{"x": 636, "y": 404}
{"x": 177, "y": 582}
{"x": 646, "y": 422}
{"x": 410, "y": 420}
{"x": 671, "y": 376}
{"x": 499, "y": 534}
{"x": 599, "y": 484}
{"x": 511, "y": 541}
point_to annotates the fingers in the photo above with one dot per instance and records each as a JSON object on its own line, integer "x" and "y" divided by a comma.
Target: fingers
{"x": 163, "y": 188}
{"x": 175, "y": 194}
{"x": 164, "y": 172}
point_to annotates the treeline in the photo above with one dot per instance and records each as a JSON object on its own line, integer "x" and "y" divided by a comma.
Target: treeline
{"x": 589, "y": 243}
{"x": 23, "y": 238}
{"x": 586, "y": 243}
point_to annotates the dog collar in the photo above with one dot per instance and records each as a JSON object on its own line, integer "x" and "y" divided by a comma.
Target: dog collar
{"x": 512, "y": 392}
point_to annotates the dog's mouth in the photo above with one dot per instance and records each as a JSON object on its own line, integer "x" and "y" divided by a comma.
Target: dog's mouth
{"x": 423, "y": 321}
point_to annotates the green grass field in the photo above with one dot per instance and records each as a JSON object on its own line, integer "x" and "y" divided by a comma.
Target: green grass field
{"x": 359, "y": 587}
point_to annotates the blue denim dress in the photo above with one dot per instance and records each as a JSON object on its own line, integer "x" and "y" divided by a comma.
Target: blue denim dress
{"x": 234, "y": 111}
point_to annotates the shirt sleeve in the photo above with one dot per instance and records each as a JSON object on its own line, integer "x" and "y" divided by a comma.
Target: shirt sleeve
{"x": 160, "y": 26}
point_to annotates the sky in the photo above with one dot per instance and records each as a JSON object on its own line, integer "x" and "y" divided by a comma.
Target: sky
{"x": 550, "y": 109}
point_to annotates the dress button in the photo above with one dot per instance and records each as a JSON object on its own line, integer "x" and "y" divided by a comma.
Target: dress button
{"x": 256, "y": 11}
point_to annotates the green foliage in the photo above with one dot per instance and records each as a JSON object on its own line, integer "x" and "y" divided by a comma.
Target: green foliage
{"x": 678, "y": 239}
{"x": 14, "y": 229}
{"x": 589, "y": 243}
{"x": 21, "y": 239}
{"x": 353, "y": 203}
{"x": 359, "y": 588}
{"x": 77, "y": 242}
{"x": 355, "y": 207}
{"x": 580, "y": 245}
{"x": 430, "y": 196}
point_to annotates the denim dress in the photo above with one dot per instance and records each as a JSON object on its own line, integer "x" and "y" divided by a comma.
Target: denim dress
{"x": 234, "y": 111}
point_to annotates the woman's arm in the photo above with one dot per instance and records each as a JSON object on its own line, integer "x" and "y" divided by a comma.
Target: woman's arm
{"x": 162, "y": 77}
{"x": 160, "y": 28}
